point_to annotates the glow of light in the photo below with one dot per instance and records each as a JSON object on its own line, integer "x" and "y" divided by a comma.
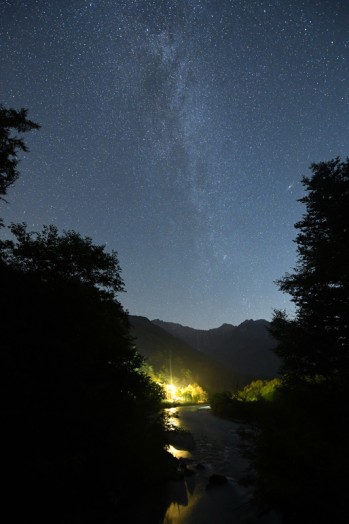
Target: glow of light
{"x": 178, "y": 453}
{"x": 171, "y": 391}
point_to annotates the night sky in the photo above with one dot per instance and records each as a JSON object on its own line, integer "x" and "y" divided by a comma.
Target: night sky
{"x": 176, "y": 133}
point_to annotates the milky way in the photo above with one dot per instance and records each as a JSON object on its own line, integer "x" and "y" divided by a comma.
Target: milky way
{"x": 177, "y": 133}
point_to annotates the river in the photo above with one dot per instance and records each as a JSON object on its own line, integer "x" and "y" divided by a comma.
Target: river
{"x": 216, "y": 451}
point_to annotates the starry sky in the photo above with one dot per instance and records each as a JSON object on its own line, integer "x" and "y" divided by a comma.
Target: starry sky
{"x": 177, "y": 133}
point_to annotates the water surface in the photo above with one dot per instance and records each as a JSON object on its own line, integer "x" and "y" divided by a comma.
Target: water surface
{"x": 217, "y": 451}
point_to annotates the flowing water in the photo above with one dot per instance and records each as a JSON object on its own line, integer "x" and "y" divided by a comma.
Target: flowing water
{"x": 217, "y": 451}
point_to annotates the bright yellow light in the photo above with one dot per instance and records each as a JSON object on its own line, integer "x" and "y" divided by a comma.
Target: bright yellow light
{"x": 192, "y": 393}
{"x": 171, "y": 391}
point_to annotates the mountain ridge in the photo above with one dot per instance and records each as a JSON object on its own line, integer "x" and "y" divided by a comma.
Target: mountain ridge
{"x": 163, "y": 350}
{"x": 246, "y": 348}
{"x": 223, "y": 358}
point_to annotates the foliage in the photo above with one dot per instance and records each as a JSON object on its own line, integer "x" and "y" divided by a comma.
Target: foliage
{"x": 81, "y": 422}
{"x": 81, "y": 419}
{"x": 68, "y": 257}
{"x": 193, "y": 393}
{"x": 300, "y": 451}
{"x": 190, "y": 393}
{"x": 301, "y": 456}
{"x": 257, "y": 390}
{"x": 316, "y": 341}
{"x": 248, "y": 404}
{"x": 12, "y": 120}
{"x": 222, "y": 403}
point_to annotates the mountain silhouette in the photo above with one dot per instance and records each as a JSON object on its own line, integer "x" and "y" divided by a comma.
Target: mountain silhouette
{"x": 168, "y": 354}
{"x": 223, "y": 358}
{"x": 246, "y": 349}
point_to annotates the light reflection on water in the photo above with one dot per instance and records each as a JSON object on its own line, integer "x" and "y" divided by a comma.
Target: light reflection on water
{"x": 177, "y": 512}
{"x": 173, "y": 417}
{"x": 192, "y": 500}
{"x": 178, "y": 453}
{"x": 183, "y": 493}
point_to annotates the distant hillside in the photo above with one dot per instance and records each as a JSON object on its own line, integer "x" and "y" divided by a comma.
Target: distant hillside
{"x": 162, "y": 349}
{"x": 200, "y": 339}
{"x": 245, "y": 349}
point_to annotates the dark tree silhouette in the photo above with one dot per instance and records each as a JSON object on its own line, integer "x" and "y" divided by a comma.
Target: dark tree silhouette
{"x": 68, "y": 256}
{"x": 300, "y": 451}
{"x": 316, "y": 341}
{"x": 10, "y": 144}
{"x": 81, "y": 423}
